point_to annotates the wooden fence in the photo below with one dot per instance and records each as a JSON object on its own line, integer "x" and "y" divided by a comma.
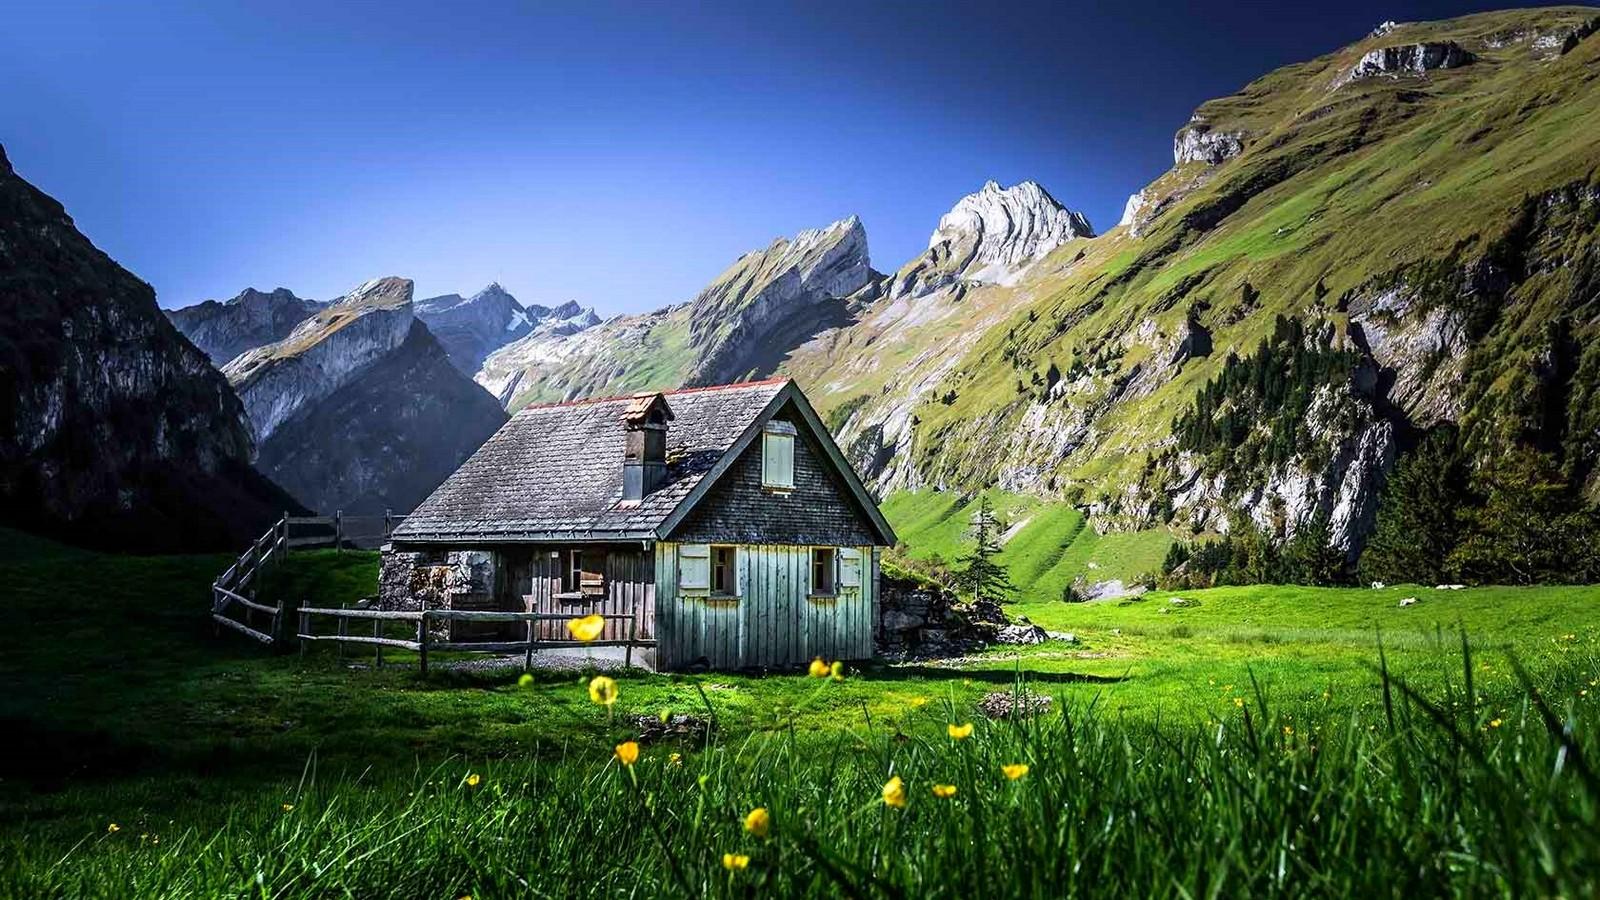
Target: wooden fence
{"x": 233, "y": 594}
{"x": 422, "y": 641}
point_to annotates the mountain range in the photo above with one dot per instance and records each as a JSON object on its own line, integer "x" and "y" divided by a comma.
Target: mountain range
{"x": 1346, "y": 253}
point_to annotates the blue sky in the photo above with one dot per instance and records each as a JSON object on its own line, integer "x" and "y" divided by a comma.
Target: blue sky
{"x": 619, "y": 155}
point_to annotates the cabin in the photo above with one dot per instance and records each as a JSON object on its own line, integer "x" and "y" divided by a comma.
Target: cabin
{"x": 722, "y": 522}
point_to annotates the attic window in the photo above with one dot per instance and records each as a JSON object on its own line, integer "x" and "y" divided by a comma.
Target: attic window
{"x": 777, "y": 455}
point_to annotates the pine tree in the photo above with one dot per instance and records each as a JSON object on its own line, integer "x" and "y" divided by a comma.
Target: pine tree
{"x": 1419, "y": 516}
{"x": 980, "y": 573}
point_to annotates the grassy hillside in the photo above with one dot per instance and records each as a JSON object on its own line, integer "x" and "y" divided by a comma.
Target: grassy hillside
{"x": 1047, "y": 544}
{"x": 1249, "y": 729}
{"x": 1470, "y": 190}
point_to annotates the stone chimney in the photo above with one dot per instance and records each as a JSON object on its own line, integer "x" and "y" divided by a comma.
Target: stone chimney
{"x": 644, "y": 454}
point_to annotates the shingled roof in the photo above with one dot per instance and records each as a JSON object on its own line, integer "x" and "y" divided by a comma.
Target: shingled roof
{"x": 554, "y": 472}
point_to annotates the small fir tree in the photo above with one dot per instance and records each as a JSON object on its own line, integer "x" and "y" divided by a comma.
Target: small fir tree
{"x": 980, "y": 574}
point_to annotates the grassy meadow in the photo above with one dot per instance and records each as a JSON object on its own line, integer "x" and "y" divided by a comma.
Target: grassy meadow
{"x": 1242, "y": 742}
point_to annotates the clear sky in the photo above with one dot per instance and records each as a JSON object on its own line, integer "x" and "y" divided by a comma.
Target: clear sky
{"x": 619, "y": 155}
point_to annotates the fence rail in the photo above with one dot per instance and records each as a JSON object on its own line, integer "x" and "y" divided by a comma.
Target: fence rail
{"x": 424, "y": 641}
{"x": 234, "y": 603}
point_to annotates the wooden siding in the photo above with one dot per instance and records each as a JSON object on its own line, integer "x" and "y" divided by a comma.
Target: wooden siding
{"x": 630, "y": 587}
{"x": 772, "y": 623}
{"x": 819, "y": 510}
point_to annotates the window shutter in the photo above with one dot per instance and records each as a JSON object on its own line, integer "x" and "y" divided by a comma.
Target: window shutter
{"x": 849, "y": 567}
{"x": 694, "y": 566}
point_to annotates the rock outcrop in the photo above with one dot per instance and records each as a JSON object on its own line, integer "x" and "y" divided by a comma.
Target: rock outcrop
{"x": 1406, "y": 59}
{"x": 1197, "y": 142}
{"x": 118, "y": 432}
{"x": 360, "y": 408}
{"x": 990, "y": 237}
{"x": 225, "y": 329}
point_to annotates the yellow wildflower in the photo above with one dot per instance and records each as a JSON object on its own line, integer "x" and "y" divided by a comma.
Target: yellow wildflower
{"x": 603, "y": 690}
{"x": 628, "y": 752}
{"x": 837, "y": 670}
{"x": 1288, "y": 731}
{"x": 818, "y": 669}
{"x": 113, "y": 828}
{"x": 944, "y": 791}
{"x": 473, "y": 779}
{"x": 733, "y": 861}
{"x": 959, "y": 732}
{"x": 676, "y": 759}
{"x": 894, "y": 792}
{"x": 525, "y": 681}
{"x": 1238, "y": 701}
{"x": 919, "y": 702}
{"x": 1015, "y": 770}
{"x": 1495, "y": 723}
{"x": 586, "y": 628}
{"x": 758, "y": 822}
{"x": 288, "y": 807}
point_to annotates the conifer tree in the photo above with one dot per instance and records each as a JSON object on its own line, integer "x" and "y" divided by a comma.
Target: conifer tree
{"x": 980, "y": 574}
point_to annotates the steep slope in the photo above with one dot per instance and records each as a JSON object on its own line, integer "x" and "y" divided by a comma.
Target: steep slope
{"x": 226, "y": 329}
{"x": 473, "y": 327}
{"x": 119, "y": 433}
{"x": 741, "y": 325}
{"x": 1419, "y": 208}
{"x": 360, "y": 408}
{"x": 386, "y": 439}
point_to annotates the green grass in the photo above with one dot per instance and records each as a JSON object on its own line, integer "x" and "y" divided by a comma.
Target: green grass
{"x": 1289, "y": 775}
{"x": 1047, "y": 544}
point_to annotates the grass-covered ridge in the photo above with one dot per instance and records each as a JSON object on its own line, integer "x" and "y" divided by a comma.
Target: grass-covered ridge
{"x": 1046, "y": 544}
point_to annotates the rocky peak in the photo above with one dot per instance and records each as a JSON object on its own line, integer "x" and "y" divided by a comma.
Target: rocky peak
{"x": 991, "y": 236}
{"x": 224, "y": 329}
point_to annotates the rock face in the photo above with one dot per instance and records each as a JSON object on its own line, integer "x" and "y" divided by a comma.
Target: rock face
{"x": 118, "y": 432}
{"x": 742, "y": 325}
{"x": 473, "y": 327}
{"x": 226, "y": 329}
{"x": 1406, "y": 59}
{"x": 386, "y": 438}
{"x": 990, "y": 237}
{"x": 772, "y": 300}
{"x": 360, "y": 408}
{"x": 1196, "y": 142}
{"x": 323, "y": 353}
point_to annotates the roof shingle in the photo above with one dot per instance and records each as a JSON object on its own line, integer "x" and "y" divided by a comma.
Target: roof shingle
{"x": 554, "y": 472}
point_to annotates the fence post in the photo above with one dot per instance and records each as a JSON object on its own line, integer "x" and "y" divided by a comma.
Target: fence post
{"x": 305, "y": 628}
{"x": 387, "y": 514}
{"x": 422, "y": 641}
{"x": 633, "y": 629}
{"x": 338, "y": 531}
{"x": 286, "y": 532}
{"x": 527, "y": 656}
{"x": 344, "y": 632}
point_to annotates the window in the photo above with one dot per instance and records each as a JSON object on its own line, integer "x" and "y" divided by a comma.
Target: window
{"x": 822, "y": 570}
{"x": 694, "y": 567}
{"x": 725, "y": 571}
{"x": 849, "y": 567}
{"x": 777, "y": 455}
{"x": 583, "y": 572}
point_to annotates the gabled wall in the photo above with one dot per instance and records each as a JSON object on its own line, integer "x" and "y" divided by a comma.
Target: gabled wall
{"x": 818, "y": 511}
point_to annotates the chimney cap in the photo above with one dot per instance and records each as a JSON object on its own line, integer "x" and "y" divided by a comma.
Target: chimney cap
{"x": 643, "y": 407}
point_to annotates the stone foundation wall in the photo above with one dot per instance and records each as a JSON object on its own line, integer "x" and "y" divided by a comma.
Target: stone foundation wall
{"x": 441, "y": 579}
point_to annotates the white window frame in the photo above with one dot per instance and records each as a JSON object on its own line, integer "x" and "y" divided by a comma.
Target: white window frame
{"x": 733, "y": 564}
{"x": 833, "y": 588}
{"x": 777, "y": 455}
{"x": 694, "y": 567}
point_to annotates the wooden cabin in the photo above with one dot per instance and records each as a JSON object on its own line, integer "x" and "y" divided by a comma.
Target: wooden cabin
{"x": 724, "y": 519}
